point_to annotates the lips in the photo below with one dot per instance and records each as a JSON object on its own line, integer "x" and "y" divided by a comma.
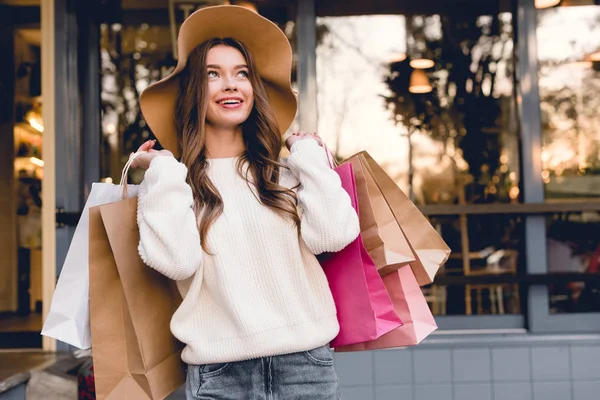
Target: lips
{"x": 230, "y": 102}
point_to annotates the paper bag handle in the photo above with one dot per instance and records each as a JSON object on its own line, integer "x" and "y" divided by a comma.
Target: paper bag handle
{"x": 123, "y": 182}
{"x": 330, "y": 158}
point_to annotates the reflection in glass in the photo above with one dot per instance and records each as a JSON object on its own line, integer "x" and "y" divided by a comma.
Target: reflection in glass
{"x": 573, "y": 246}
{"x": 496, "y": 248}
{"x": 132, "y": 57}
{"x": 569, "y": 80}
{"x": 455, "y": 142}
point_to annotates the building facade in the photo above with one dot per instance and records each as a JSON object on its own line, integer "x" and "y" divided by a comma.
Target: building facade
{"x": 484, "y": 111}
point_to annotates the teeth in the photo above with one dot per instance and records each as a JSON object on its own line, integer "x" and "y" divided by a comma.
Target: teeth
{"x": 230, "y": 102}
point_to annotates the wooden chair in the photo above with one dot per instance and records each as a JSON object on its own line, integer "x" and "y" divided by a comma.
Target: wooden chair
{"x": 499, "y": 263}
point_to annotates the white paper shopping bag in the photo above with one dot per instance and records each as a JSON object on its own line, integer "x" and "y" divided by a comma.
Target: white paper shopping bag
{"x": 69, "y": 316}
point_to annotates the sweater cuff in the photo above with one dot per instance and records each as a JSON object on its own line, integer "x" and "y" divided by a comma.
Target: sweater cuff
{"x": 307, "y": 151}
{"x": 165, "y": 167}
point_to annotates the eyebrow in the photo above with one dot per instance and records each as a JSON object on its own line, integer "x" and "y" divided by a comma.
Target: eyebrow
{"x": 215, "y": 66}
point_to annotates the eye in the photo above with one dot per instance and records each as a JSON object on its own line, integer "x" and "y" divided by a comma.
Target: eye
{"x": 244, "y": 73}
{"x": 213, "y": 74}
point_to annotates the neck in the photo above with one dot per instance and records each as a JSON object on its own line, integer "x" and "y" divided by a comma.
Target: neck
{"x": 224, "y": 142}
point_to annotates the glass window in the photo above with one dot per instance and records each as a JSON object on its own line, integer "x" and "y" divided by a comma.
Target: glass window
{"x": 569, "y": 80}
{"x": 431, "y": 98}
{"x": 137, "y": 51}
{"x": 496, "y": 248}
{"x": 573, "y": 246}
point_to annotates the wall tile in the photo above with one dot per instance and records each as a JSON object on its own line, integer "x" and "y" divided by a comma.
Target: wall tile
{"x": 513, "y": 391}
{"x": 354, "y": 368}
{"x": 398, "y": 392}
{"x": 432, "y": 366}
{"x": 552, "y": 390}
{"x": 473, "y": 391}
{"x": 585, "y": 362}
{"x": 586, "y": 390}
{"x": 511, "y": 364}
{"x": 357, "y": 393}
{"x": 393, "y": 367}
{"x": 471, "y": 365}
{"x": 550, "y": 363}
{"x": 434, "y": 392}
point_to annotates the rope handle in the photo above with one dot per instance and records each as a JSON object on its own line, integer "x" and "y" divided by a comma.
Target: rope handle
{"x": 123, "y": 181}
{"x": 330, "y": 158}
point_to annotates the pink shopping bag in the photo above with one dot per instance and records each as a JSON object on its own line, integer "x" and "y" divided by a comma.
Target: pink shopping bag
{"x": 411, "y": 306}
{"x": 364, "y": 308}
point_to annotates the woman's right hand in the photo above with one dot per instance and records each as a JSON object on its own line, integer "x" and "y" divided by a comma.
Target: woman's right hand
{"x": 148, "y": 154}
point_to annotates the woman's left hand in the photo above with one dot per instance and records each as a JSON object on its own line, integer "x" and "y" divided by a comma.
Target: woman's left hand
{"x": 301, "y": 135}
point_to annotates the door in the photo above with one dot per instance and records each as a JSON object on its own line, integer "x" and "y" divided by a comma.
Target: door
{"x": 21, "y": 175}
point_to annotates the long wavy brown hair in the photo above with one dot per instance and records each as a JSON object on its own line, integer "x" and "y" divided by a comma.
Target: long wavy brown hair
{"x": 260, "y": 133}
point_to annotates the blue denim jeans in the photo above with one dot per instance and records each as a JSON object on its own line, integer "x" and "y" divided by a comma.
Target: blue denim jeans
{"x": 308, "y": 375}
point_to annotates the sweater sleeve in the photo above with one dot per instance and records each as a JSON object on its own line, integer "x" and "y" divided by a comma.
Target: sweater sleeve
{"x": 169, "y": 237}
{"x": 328, "y": 221}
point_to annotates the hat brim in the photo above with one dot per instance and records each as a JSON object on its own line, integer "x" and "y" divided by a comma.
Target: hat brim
{"x": 265, "y": 41}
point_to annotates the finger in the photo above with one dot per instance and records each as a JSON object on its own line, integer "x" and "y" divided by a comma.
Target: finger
{"x": 148, "y": 145}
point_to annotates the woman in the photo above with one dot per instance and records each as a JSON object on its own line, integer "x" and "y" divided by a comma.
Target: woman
{"x": 237, "y": 228}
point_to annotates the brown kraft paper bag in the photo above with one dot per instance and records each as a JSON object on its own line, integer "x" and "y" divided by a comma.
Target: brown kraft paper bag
{"x": 380, "y": 231}
{"x": 135, "y": 355}
{"x": 428, "y": 248}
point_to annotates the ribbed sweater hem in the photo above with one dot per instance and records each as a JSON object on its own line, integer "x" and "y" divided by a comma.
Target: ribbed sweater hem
{"x": 283, "y": 340}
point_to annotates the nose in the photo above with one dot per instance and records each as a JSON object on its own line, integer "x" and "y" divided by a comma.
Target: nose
{"x": 229, "y": 85}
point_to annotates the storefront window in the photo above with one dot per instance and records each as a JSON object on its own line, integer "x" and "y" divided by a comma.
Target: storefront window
{"x": 446, "y": 132}
{"x": 500, "y": 251}
{"x": 569, "y": 80}
{"x": 137, "y": 51}
{"x": 431, "y": 98}
{"x": 573, "y": 246}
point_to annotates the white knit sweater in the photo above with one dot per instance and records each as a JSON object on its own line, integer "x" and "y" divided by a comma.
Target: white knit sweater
{"x": 262, "y": 292}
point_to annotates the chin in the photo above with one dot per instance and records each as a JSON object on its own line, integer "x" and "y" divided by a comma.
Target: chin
{"x": 231, "y": 121}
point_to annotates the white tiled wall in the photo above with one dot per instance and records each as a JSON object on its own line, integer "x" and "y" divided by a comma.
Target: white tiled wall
{"x": 538, "y": 369}
{"x": 492, "y": 372}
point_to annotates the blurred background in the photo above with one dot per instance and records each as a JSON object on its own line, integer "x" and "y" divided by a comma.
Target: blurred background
{"x": 485, "y": 112}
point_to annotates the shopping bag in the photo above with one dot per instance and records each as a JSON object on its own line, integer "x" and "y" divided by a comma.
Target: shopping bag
{"x": 380, "y": 231}
{"x": 364, "y": 308}
{"x": 429, "y": 250}
{"x": 69, "y": 317}
{"x": 411, "y": 306}
{"x": 134, "y": 353}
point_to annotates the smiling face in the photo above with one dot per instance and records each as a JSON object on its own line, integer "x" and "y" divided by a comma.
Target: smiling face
{"x": 230, "y": 94}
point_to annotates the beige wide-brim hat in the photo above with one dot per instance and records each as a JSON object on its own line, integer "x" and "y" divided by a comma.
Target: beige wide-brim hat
{"x": 265, "y": 41}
